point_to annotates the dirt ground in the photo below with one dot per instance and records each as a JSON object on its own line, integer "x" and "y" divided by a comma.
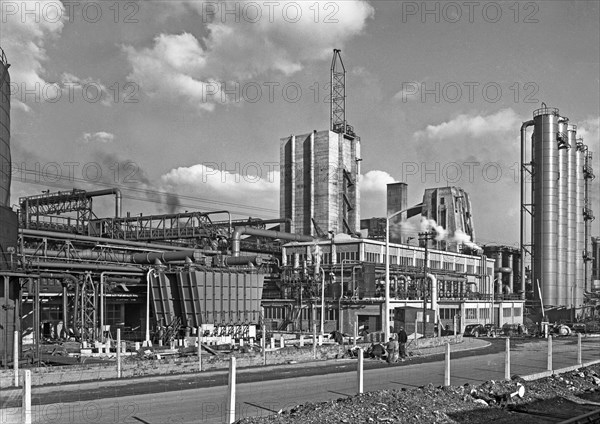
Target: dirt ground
{"x": 551, "y": 399}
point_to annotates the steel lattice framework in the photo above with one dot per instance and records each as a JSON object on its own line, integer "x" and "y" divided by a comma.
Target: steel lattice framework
{"x": 338, "y": 94}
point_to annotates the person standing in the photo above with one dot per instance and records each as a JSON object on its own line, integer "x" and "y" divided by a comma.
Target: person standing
{"x": 392, "y": 350}
{"x": 402, "y": 340}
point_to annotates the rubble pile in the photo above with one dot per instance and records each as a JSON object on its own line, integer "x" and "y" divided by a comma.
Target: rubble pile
{"x": 499, "y": 401}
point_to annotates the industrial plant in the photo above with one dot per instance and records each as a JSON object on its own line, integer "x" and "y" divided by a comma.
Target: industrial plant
{"x": 69, "y": 274}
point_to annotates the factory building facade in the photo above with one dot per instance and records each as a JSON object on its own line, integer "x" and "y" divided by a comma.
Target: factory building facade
{"x": 456, "y": 287}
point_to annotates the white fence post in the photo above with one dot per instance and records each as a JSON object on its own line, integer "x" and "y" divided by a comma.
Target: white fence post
{"x": 314, "y": 341}
{"x": 199, "y": 350}
{"x": 447, "y": 367}
{"x": 26, "y": 405}
{"x": 264, "y": 344}
{"x": 231, "y": 392}
{"x": 360, "y": 374}
{"x": 579, "y": 359}
{"x": 507, "y": 360}
{"x": 16, "y": 357}
{"x": 118, "y": 353}
{"x": 549, "y": 352}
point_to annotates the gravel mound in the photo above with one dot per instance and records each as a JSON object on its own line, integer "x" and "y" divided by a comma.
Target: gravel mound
{"x": 549, "y": 399}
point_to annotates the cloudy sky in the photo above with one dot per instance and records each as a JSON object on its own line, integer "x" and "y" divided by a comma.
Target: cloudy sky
{"x": 182, "y": 104}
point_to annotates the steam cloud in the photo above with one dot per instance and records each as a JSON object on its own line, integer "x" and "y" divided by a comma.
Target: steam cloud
{"x": 442, "y": 234}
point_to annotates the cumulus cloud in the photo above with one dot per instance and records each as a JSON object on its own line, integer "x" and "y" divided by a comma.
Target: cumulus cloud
{"x": 373, "y": 188}
{"x": 237, "y": 186}
{"x": 174, "y": 69}
{"x": 25, "y": 37}
{"x": 101, "y": 137}
{"x": 279, "y": 37}
{"x": 471, "y": 125}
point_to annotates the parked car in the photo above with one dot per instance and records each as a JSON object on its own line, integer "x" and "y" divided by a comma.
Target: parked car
{"x": 474, "y": 330}
{"x": 511, "y": 329}
{"x": 492, "y": 330}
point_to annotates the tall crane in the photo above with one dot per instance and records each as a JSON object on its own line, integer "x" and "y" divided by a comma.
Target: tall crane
{"x": 337, "y": 107}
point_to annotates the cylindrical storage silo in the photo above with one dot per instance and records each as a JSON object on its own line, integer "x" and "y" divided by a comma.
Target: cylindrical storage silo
{"x": 563, "y": 224}
{"x": 545, "y": 202}
{"x": 571, "y": 215}
{"x": 580, "y": 225}
{"x": 5, "y": 174}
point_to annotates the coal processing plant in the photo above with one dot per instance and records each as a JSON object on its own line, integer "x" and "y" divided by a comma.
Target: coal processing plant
{"x": 70, "y": 275}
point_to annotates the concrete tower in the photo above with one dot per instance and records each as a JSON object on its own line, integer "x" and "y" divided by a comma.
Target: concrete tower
{"x": 319, "y": 181}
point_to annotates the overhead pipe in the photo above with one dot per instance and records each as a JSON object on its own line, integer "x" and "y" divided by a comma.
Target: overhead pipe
{"x": 86, "y": 267}
{"x": 150, "y": 258}
{"x": 98, "y": 240}
{"x": 239, "y": 231}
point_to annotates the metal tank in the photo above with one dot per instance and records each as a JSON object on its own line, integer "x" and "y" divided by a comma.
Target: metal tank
{"x": 563, "y": 178}
{"x": 4, "y": 131}
{"x": 545, "y": 201}
{"x": 580, "y": 225}
{"x": 571, "y": 215}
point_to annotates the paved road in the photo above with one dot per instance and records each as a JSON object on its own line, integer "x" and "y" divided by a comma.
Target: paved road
{"x": 265, "y": 396}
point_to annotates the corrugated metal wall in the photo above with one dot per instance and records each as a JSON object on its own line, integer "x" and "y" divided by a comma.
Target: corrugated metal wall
{"x": 207, "y": 297}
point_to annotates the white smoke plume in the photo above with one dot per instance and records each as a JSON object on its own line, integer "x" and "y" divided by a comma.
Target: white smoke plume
{"x": 460, "y": 237}
{"x": 430, "y": 224}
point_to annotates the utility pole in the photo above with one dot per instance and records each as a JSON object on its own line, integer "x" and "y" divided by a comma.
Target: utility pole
{"x": 425, "y": 236}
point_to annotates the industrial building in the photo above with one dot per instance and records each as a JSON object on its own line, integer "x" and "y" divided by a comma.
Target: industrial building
{"x": 446, "y": 285}
{"x": 67, "y": 273}
{"x": 450, "y": 208}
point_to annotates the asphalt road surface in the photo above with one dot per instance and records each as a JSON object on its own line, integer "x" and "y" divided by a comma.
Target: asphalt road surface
{"x": 201, "y": 398}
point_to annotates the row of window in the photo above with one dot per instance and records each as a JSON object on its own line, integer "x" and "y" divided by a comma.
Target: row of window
{"x": 402, "y": 260}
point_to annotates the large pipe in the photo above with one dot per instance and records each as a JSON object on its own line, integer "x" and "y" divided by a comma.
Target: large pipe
{"x": 150, "y": 258}
{"x": 85, "y": 267}
{"x": 524, "y": 210}
{"x": 239, "y": 231}
{"x": 97, "y": 240}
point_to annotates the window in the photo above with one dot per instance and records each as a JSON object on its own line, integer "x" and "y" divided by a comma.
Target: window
{"x": 470, "y": 269}
{"x": 405, "y": 261}
{"x": 506, "y": 312}
{"x": 460, "y": 268}
{"x": 471, "y": 313}
{"x": 448, "y": 313}
{"x": 434, "y": 264}
{"x": 448, "y": 266}
{"x": 484, "y": 313}
{"x": 517, "y": 313}
{"x": 420, "y": 262}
